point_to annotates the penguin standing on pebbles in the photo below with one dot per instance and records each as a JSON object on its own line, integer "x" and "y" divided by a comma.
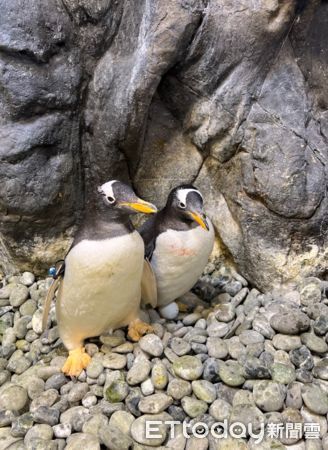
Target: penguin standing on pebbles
{"x": 178, "y": 242}
{"x": 101, "y": 286}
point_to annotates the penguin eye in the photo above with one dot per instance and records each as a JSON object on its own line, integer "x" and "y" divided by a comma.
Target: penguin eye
{"x": 182, "y": 205}
{"x": 111, "y": 199}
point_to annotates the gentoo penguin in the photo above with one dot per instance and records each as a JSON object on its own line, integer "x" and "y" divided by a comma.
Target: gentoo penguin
{"x": 101, "y": 286}
{"x": 178, "y": 242}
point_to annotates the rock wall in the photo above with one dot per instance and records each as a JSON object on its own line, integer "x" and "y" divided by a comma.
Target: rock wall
{"x": 229, "y": 95}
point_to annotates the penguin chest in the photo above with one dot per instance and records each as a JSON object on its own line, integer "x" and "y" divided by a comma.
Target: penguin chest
{"x": 101, "y": 287}
{"x": 179, "y": 259}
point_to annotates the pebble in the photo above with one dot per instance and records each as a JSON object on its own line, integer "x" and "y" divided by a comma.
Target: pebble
{"x": 231, "y": 373}
{"x": 204, "y": 390}
{"x": 310, "y": 294}
{"x": 225, "y": 312}
{"x": 96, "y": 367}
{"x": 78, "y": 441}
{"x": 138, "y": 429}
{"x": 122, "y": 420}
{"x": 112, "y": 437}
{"x": 154, "y": 404}
{"x": 314, "y": 343}
{"x": 151, "y": 344}
{"x": 188, "y": 367}
{"x": 56, "y": 381}
{"x": 248, "y": 337}
{"x": 114, "y": 361}
{"x": 269, "y": 395}
{"x": 302, "y": 358}
{"x": 159, "y": 376}
{"x": 138, "y": 372}
{"x": 147, "y": 387}
{"x": 193, "y": 407}
{"x": 77, "y": 392}
{"x": 18, "y": 295}
{"x": 75, "y": 416}
{"x": 116, "y": 391}
{"x": 35, "y": 387}
{"x": 220, "y": 410}
{"x": 180, "y": 346}
{"x": 320, "y": 369}
{"x": 179, "y": 389}
{"x": 217, "y": 329}
{"x": 286, "y": 342}
{"x": 282, "y": 373}
{"x": 46, "y": 414}
{"x": 20, "y": 425}
{"x": 254, "y": 368}
{"x": 320, "y": 326}
{"x": 39, "y": 431}
{"x": 62, "y": 430}
{"x": 315, "y": 399}
{"x": 13, "y": 398}
{"x": 290, "y": 323}
{"x": 217, "y": 348}
{"x": 27, "y": 278}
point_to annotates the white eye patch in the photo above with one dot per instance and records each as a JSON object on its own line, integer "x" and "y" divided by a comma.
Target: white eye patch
{"x": 182, "y": 195}
{"x": 107, "y": 188}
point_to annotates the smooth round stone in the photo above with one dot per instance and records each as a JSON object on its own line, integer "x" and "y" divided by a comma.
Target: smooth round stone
{"x": 18, "y": 363}
{"x": 180, "y": 346}
{"x": 294, "y": 322}
{"x": 310, "y": 294}
{"x": 13, "y": 398}
{"x": 6, "y": 290}
{"x": 310, "y": 417}
{"x": 320, "y": 370}
{"x": 262, "y": 325}
{"x": 47, "y": 398}
{"x": 314, "y": 343}
{"x": 127, "y": 347}
{"x": 46, "y": 414}
{"x": 170, "y": 311}
{"x": 247, "y": 414}
{"x": 114, "y": 361}
{"x": 28, "y": 308}
{"x": 159, "y": 376}
{"x": 294, "y": 396}
{"x": 147, "y": 387}
{"x": 320, "y": 326}
{"x": 236, "y": 348}
{"x": 116, "y": 391}
{"x": 20, "y": 425}
{"x": 211, "y": 370}
{"x": 138, "y": 429}
{"x": 154, "y": 404}
{"x": 95, "y": 422}
{"x": 122, "y": 420}
{"x": 95, "y": 368}
{"x": 304, "y": 376}
{"x": 233, "y": 287}
{"x": 254, "y": 368}
{"x": 249, "y": 337}
{"x": 151, "y": 344}
{"x": 204, "y": 390}
{"x": 188, "y": 367}
{"x": 62, "y": 430}
{"x": 112, "y": 438}
{"x": 281, "y": 373}
{"x": 27, "y": 278}
{"x": 220, "y": 409}
{"x": 286, "y": 342}
{"x": 290, "y": 416}
{"x": 178, "y": 388}
{"x": 75, "y": 416}
{"x": 268, "y": 395}
{"x": 231, "y": 373}
{"x": 56, "y": 381}
{"x": 315, "y": 399}
{"x": 78, "y": 441}
{"x": 138, "y": 372}
{"x": 193, "y": 407}
{"x": 302, "y": 358}
{"x": 217, "y": 329}
{"x": 216, "y": 348}
{"x": 89, "y": 401}
{"x": 39, "y": 431}
{"x": 112, "y": 341}
{"x": 191, "y": 319}
{"x": 225, "y": 312}
{"x": 35, "y": 387}
{"x": 77, "y": 392}
{"x": 18, "y": 295}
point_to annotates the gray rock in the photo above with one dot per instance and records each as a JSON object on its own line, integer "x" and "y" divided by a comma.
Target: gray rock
{"x": 320, "y": 326}
{"x": 122, "y": 420}
{"x": 320, "y": 369}
{"x": 225, "y": 312}
{"x": 27, "y": 278}
{"x": 211, "y": 370}
{"x": 254, "y": 368}
{"x": 311, "y": 293}
{"x": 180, "y": 346}
{"x": 147, "y": 387}
{"x": 47, "y": 398}
{"x": 138, "y": 429}
{"x": 247, "y": 414}
{"x": 294, "y": 396}
{"x": 249, "y": 337}
{"x": 217, "y": 348}
{"x": 132, "y": 401}
{"x": 77, "y": 392}
{"x": 18, "y": 295}
{"x": 220, "y": 410}
{"x": 314, "y": 343}
{"x": 56, "y": 381}
{"x": 75, "y": 417}
{"x": 40, "y": 431}
{"x": 204, "y": 390}
{"x": 116, "y": 391}
{"x": 138, "y": 372}
{"x": 82, "y": 440}
{"x": 151, "y": 344}
{"x": 6, "y": 418}
{"x": 21, "y": 425}
{"x": 286, "y": 343}
{"x": 112, "y": 437}
{"x": 287, "y": 323}
{"x": 154, "y": 404}
{"x": 268, "y": 395}
{"x": 231, "y": 373}
{"x": 62, "y": 430}
{"x": 113, "y": 361}
{"x": 282, "y": 373}
{"x": 188, "y": 367}
{"x": 159, "y": 376}
{"x": 13, "y": 398}
{"x": 193, "y": 407}
{"x": 315, "y": 399}
{"x": 179, "y": 389}
{"x": 46, "y": 414}
{"x": 302, "y": 358}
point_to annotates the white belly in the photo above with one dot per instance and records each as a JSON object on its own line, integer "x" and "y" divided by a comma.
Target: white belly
{"x": 101, "y": 287}
{"x": 179, "y": 259}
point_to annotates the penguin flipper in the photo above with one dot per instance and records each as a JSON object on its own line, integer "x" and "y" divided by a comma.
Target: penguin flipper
{"x": 148, "y": 285}
{"x": 50, "y": 296}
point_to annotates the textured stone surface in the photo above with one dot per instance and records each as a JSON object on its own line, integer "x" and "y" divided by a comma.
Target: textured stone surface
{"x": 231, "y": 96}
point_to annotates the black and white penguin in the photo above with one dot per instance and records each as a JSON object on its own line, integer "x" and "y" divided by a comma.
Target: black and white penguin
{"x": 101, "y": 286}
{"x": 178, "y": 242}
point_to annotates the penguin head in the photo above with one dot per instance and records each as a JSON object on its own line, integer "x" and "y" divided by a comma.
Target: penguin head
{"x": 186, "y": 202}
{"x": 121, "y": 197}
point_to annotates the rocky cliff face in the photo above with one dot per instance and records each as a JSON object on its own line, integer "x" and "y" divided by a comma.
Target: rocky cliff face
{"x": 232, "y": 96}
